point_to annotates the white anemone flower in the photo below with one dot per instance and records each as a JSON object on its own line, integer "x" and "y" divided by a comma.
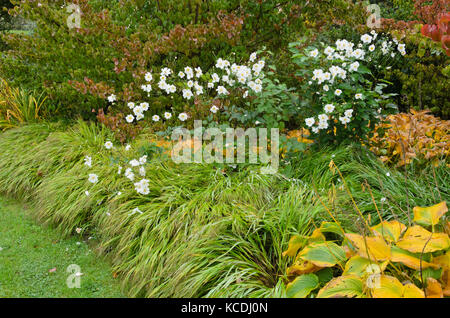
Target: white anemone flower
{"x": 88, "y": 161}
{"x": 323, "y": 125}
{"x": 366, "y": 38}
{"x": 310, "y": 121}
{"x": 93, "y": 178}
{"x": 348, "y": 113}
{"x": 323, "y": 117}
{"x": 187, "y": 93}
{"x": 108, "y": 145}
{"x": 129, "y": 118}
{"x": 148, "y": 77}
{"x": 329, "y": 108}
{"x": 344, "y": 120}
{"x": 182, "y": 116}
{"x": 221, "y": 90}
{"x": 112, "y": 98}
{"x": 314, "y": 53}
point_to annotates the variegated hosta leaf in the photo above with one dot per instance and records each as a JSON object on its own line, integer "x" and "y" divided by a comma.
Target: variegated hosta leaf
{"x": 374, "y": 248}
{"x": 348, "y": 286}
{"x": 419, "y": 240}
{"x": 390, "y": 287}
{"x": 302, "y": 267}
{"x": 302, "y": 286}
{"x": 409, "y": 259}
{"x": 323, "y": 254}
{"x": 298, "y": 241}
{"x": 430, "y": 215}
{"x": 391, "y": 230}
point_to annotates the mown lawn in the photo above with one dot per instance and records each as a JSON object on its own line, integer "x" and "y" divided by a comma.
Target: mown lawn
{"x": 33, "y": 260}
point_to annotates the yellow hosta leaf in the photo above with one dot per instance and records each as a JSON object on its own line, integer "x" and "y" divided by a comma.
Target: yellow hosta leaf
{"x": 348, "y": 251}
{"x": 324, "y": 254}
{"x": 391, "y": 287}
{"x": 295, "y": 243}
{"x": 374, "y": 248}
{"x": 358, "y": 266}
{"x": 302, "y": 267}
{"x": 418, "y": 240}
{"x": 434, "y": 289}
{"x": 444, "y": 262}
{"x": 317, "y": 236}
{"x": 387, "y": 287}
{"x": 412, "y": 291}
{"x": 407, "y": 258}
{"x": 391, "y": 230}
{"x": 430, "y": 215}
{"x": 342, "y": 286}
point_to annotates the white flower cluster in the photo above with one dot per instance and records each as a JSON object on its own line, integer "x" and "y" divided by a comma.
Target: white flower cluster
{"x": 88, "y": 161}
{"x": 226, "y": 75}
{"x": 135, "y": 163}
{"x": 347, "y": 57}
{"x": 142, "y": 187}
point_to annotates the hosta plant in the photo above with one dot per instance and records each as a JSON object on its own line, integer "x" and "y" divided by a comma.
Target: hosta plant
{"x": 387, "y": 260}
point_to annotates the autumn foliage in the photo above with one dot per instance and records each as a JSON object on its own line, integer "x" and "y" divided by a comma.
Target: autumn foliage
{"x": 417, "y": 135}
{"x": 386, "y": 260}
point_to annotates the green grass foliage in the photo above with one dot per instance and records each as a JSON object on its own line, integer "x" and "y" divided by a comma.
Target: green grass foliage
{"x": 204, "y": 232}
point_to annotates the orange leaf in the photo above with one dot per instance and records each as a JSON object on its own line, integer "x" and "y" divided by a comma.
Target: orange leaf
{"x": 434, "y": 289}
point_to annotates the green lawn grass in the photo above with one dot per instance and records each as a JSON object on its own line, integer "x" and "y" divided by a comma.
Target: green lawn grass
{"x": 28, "y": 253}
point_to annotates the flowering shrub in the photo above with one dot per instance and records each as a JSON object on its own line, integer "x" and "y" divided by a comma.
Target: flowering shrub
{"x": 223, "y": 84}
{"x": 119, "y": 41}
{"x": 415, "y": 135}
{"x": 341, "y": 99}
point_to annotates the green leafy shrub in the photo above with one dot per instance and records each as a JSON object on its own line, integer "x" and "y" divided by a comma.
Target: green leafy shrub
{"x": 421, "y": 79}
{"x": 121, "y": 40}
{"x": 421, "y": 82}
{"x": 396, "y": 9}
